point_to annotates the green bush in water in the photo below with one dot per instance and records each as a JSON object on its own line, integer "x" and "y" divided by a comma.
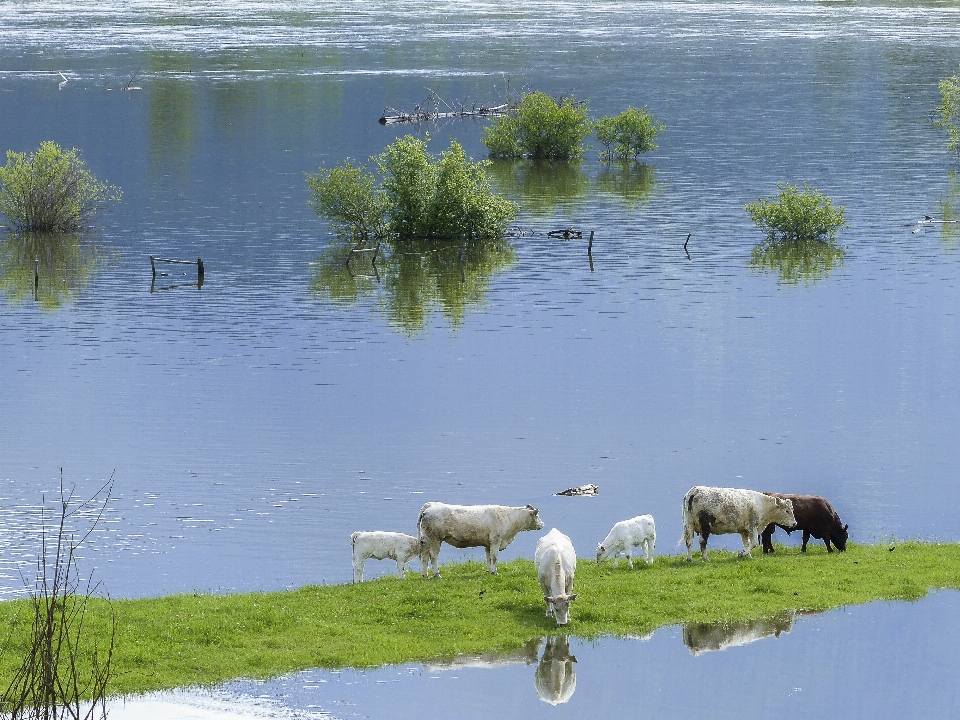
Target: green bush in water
{"x": 346, "y": 195}
{"x": 415, "y": 196}
{"x": 51, "y": 190}
{"x": 627, "y": 135}
{"x": 540, "y": 128}
{"x": 796, "y": 215}
{"x": 948, "y": 112}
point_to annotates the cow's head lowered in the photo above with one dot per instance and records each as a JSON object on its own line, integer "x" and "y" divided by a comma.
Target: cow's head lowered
{"x": 782, "y": 513}
{"x": 561, "y": 606}
{"x": 838, "y": 536}
{"x": 533, "y": 519}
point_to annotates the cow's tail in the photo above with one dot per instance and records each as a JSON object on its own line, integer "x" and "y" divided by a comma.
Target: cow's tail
{"x": 683, "y": 517}
{"x": 423, "y": 512}
{"x": 353, "y": 546}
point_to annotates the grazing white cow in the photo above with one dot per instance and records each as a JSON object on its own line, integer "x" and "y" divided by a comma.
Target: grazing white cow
{"x": 626, "y": 535}
{"x": 381, "y": 545}
{"x": 556, "y": 562}
{"x": 720, "y": 511}
{"x": 492, "y": 527}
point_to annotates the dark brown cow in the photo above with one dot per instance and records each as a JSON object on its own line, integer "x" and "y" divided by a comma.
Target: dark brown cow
{"x": 815, "y": 517}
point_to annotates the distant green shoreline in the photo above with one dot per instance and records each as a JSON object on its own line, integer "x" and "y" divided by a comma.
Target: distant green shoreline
{"x": 182, "y": 640}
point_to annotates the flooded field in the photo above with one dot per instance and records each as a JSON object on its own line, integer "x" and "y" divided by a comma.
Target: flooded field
{"x": 884, "y": 659}
{"x": 256, "y": 420}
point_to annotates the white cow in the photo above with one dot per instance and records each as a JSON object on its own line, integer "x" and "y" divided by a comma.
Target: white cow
{"x": 626, "y": 535}
{"x": 381, "y": 545}
{"x": 720, "y": 511}
{"x": 556, "y": 562}
{"x": 492, "y": 527}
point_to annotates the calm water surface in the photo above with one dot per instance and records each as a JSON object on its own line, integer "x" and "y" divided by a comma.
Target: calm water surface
{"x": 256, "y": 422}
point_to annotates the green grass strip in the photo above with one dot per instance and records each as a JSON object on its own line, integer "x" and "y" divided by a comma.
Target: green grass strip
{"x": 200, "y": 639}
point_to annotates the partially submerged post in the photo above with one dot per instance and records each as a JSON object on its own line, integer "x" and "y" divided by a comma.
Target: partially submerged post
{"x": 198, "y": 262}
{"x": 36, "y": 277}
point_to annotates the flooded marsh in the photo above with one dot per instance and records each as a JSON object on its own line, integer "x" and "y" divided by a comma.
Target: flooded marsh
{"x": 256, "y": 421}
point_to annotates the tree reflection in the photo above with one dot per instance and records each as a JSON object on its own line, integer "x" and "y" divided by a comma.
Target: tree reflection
{"x": 65, "y": 266}
{"x": 950, "y": 212}
{"x": 540, "y": 186}
{"x": 796, "y": 260}
{"x": 631, "y": 182}
{"x": 412, "y": 282}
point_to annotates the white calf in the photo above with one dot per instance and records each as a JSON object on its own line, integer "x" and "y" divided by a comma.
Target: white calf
{"x": 626, "y": 535}
{"x": 556, "y": 562}
{"x": 381, "y": 545}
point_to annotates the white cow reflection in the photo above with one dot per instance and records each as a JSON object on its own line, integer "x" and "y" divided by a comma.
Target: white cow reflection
{"x": 527, "y": 655}
{"x": 556, "y": 680}
{"x": 707, "y": 637}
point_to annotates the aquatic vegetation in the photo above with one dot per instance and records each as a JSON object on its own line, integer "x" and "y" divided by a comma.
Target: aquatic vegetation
{"x": 188, "y": 639}
{"x": 51, "y": 190}
{"x": 415, "y": 196}
{"x": 627, "y": 135}
{"x": 795, "y": 215}
{"x": 540, "y": 128}
{"x": 948, "y": 112}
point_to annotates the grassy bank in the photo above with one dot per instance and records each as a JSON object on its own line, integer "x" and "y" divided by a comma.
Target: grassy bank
{"x": 189, "y": 639}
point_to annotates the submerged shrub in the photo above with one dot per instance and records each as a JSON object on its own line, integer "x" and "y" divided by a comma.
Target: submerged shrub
{"x": 414, "y": 196}
{"x": 948, "y": 112}
{"x": 540, "y": 128}
{"x": 795, "y": 215}
{"x": 51, "y": 190}
{"x": 628, "y": 134}
{"x": 346, "y": 195}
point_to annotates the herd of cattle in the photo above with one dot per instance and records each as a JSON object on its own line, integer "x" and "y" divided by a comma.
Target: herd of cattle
{"x": 706, "y": 511}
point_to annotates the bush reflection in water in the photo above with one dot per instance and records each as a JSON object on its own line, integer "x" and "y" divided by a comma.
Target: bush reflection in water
{"x": 543, "y": 187}
{"x": 797, "y": 260}
{"x": 66, "y": 265}
{"x": 411, "y": 281}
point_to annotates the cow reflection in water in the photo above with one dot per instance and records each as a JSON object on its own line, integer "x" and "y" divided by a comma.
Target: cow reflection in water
{"x": 556, "y": 679}
{"x": 706, "y": 637}
{"x": 527, "y": 655}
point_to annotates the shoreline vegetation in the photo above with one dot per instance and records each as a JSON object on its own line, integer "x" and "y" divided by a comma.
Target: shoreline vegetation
{"x": 201, "y": 639}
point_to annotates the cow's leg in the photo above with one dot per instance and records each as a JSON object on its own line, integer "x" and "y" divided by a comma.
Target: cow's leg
{"x": 766, "y": 538}
{"x": 827, "y": 541}
{"x": 629, "y": 555}
{"x": 648, "y": 551}
{"x": 616, "y": 558}
{"x": 549, "y": 609}
{"x": 492, "y": 559}
{"x": 400, "y": 568}
{"x": 358, "y": 570}
{"x": 806, "y": 538}
{"x": 747, "y": 538}
{"x": 430, "y": 556}
{"x": 688, "y": 539}
{"x": 704, "y": 534}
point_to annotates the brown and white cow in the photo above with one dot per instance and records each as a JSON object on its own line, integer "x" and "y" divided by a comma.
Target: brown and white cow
{"x": 492, "y": 527}
{"x": 816, "y": 517}
{"x": 721, "y": 511}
